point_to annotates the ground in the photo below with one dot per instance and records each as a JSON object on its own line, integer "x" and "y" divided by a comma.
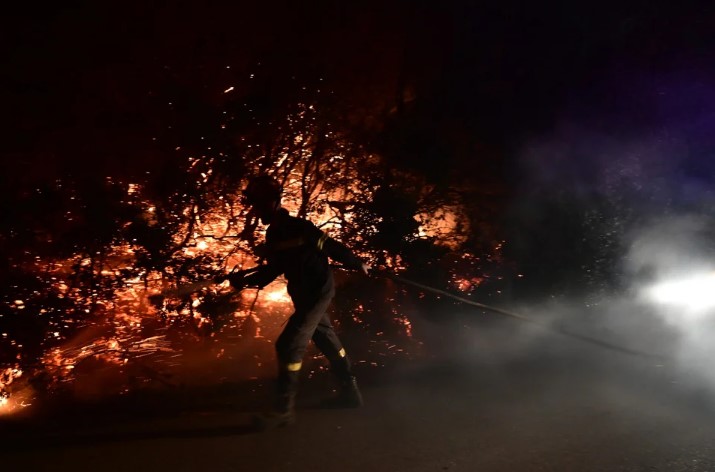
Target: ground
{"x": 476, "y": 399}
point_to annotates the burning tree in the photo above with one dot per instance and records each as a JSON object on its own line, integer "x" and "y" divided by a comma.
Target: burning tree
{"x": 84, "y": 257}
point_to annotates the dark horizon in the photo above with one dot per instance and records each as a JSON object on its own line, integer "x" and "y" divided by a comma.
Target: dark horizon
{"x": 80, "y": 82}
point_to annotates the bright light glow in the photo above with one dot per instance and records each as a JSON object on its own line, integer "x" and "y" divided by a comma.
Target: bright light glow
{"x": 695, "y": 294}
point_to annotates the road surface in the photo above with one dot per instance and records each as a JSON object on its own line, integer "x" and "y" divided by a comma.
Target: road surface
{"x": 475, "y": 400}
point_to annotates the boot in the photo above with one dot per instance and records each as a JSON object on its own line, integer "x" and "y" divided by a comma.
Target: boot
{"x": 348, "y": 392}
{"x": 282, "y": 414}
{"x": 348, "y": 395}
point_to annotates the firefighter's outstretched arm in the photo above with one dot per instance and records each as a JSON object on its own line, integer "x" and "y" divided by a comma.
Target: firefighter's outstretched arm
{"x": 260, "y": 278}
{"x": 339, "y": 252}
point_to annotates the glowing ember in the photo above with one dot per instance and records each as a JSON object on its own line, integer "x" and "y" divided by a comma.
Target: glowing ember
{"x": 7, "y": 378}
{"x": 467, "y": 284}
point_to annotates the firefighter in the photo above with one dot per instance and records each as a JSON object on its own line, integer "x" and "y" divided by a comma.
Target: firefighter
{"x": 296, "y": 248}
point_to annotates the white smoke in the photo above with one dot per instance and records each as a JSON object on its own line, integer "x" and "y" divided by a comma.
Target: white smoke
{"x": 642, "y": 187}
{"x": 675, "y": 254}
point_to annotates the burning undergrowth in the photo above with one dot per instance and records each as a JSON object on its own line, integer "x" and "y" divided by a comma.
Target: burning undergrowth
{"x": 91, "y": 305}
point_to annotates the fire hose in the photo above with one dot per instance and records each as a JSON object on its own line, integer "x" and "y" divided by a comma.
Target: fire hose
{"x": 510, "y": 314}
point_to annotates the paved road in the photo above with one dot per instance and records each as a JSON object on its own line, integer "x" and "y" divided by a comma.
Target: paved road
{"x": 475, "y": 400}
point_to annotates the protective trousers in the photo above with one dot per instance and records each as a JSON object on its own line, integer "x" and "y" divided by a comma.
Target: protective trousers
{"x": 310, "y": 321}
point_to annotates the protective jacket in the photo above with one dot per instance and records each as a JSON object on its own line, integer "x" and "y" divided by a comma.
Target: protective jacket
{"x": 296, "y": 248}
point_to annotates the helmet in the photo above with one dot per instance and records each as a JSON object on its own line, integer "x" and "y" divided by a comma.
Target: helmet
{"x": 262, "y": 190}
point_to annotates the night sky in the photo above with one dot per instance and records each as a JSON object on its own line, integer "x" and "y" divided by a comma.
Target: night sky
{"x": 79, "y": 80}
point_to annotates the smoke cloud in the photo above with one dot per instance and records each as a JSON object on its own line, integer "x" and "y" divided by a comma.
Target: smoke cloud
{"x": 615, "y": 200}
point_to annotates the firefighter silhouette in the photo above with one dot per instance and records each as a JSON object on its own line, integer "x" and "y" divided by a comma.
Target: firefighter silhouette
{"x": 296, "y": 248}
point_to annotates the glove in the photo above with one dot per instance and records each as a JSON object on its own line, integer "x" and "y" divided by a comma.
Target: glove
{"x": 237, "y": 281}
{"x": 220, "y": 278}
